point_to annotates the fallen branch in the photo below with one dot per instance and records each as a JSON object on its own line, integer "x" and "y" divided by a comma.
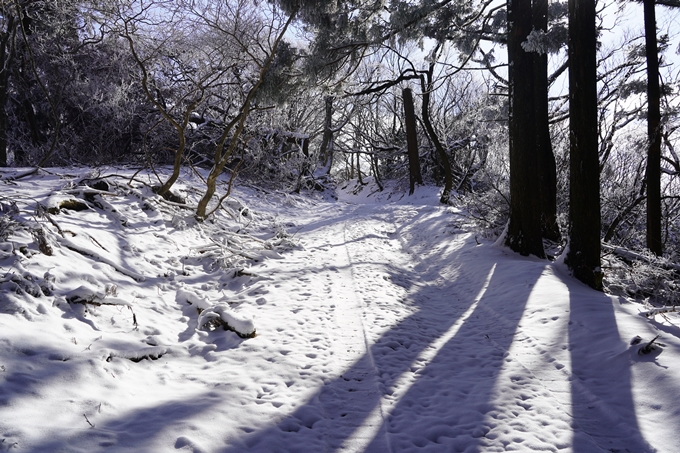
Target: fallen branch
{"x": 87, "y": 190}
{"x": 631, "y": 255}
{"x": 82, "y": 295}
{"x": 23, "y": 174}
{"x": 153, "y": 353}
{"x": 90, "y": 254}
{"x": 656, "y": 311}
{"x": 649, "y": 347}
{"x": 88, "y": 421}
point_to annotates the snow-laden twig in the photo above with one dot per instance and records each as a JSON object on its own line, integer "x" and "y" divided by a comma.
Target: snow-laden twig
{"x": 656, "y": 311}
{"x": 69, "y": 244}
{"x": 631, "y": 255}
{"x": 86, "y": 296}
{"x": 86, "y": 190}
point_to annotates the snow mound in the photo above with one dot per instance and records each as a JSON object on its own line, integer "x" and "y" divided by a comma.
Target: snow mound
{"x": 215, "y": 315}
{"x": 137, "y": 355}
{"x": 189, "y": 297}
{"x": 222, "y": 314}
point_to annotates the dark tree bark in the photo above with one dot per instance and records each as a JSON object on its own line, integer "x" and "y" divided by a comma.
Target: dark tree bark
{"x": 306, "y": 167}
{"x": 548, "y": 170}
{"x": 441, "y": 152}
{"x": 524, "y": 230}
{"x": 584, "y": 178}
{"x": 376, "y": 173}
{"x": 326, "y": 149}
{"x": 412, "y": 140}
{"x": 6, "y": 54}
{"x": 357, "y": 154}
{"x": 426, "y": 88}
{"x": 654, "y": 241}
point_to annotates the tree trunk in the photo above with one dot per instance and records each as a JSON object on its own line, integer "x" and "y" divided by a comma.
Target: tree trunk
{"x": 376, "y": 173}
{"x": 548, "y": 170}
{"x": 326, "y": 150}
{"x": 524, "y": 230}
{"x": 3, "y": 110}
{"x": 441, "y": 152}
{"x": 164, "y": 190}
{"x": 584, "y": 179}
{"x": 6, "y": 53}
{"x": 357, "y": 153}
{"x": 238, "y": 124}
{"x": 412, "y": 140}
{"x": 306, "y": 167}
{"x": 359, "y": 177}
{"x": 654, "y": 242}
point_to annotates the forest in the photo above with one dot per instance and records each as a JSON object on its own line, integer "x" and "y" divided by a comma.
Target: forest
{"x": 554, "y": 123}
{"x": 362, "y": 226}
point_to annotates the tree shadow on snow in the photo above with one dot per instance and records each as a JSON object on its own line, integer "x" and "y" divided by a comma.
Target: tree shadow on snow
{"x": 448, "y": 406}
{"x": 137, "y": 430}
{"x": 436, "y": 370}
{"x": 602, "y": 401}
{"x": 20, "y": 380}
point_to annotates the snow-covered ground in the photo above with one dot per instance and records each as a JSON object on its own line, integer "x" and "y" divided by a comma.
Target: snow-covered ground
{"x": 380, "y": 323}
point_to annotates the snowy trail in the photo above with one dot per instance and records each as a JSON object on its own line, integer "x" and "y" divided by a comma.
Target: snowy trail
{"x": 342, "y": 415}
{"x": 455, "y": 370}
{"x": 435, "y": 396}
{"x": 403, "y": 311}
{"x": 389, "y": 330}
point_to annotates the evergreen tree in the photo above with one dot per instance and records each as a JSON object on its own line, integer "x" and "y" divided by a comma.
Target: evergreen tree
{"x": 654, "y": 243}
{"x": 524, "y": 231}
{"x": 548, "y": 171}
{"x": 583, "y": 256}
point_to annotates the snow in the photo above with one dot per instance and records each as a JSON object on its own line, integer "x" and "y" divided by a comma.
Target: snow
{"x": 381, "y": 324}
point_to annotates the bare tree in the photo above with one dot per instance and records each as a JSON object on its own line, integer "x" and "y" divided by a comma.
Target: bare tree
{"x": 255, "y": 36}
{"x": 175, "y": 69}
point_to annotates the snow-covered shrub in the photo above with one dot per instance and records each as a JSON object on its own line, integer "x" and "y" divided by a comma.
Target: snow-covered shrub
{"x": 642, "y": 276}
{"x": 17, "y": 284}
{"x": 8, "y": 223}
{"x": 487, "y": 201}
{"x": 282, "y": 239}
{"x": 180, "y": 222}
{"x": 8, "y": 226}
